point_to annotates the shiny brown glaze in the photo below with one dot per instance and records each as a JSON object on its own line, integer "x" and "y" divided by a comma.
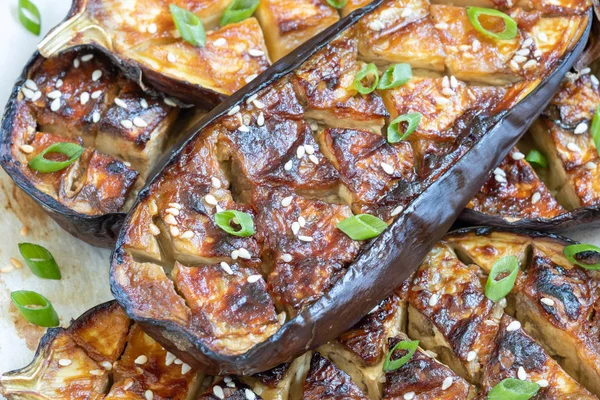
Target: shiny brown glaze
{"x": 326, "y": 381}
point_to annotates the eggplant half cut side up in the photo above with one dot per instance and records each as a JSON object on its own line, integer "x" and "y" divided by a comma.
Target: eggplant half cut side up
{"x": 232, "y": 42}
{"x": 81, "y": 139}
{"x": 273, "y": 199}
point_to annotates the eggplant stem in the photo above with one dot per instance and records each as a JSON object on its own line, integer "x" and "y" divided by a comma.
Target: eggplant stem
{"x": 77, "y": 30}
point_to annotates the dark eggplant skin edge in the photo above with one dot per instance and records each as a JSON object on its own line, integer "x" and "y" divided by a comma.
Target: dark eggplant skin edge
{"x": 395, "y": 253}
{"x": 97, "y": 230}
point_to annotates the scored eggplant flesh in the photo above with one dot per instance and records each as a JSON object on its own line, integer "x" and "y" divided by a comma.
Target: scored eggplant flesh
{"x": 565, "y": 193}
{"x": 81, "y": 97}
{"x": 313, "y": 173}
{"x": 143, "y": 36}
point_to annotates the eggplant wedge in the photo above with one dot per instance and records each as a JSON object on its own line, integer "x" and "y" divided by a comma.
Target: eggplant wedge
{"x": 143, "y": 39}
{"x": 80, "y": 97}
{"x": 560, "y": 190}
{"x": 299, "y": 150}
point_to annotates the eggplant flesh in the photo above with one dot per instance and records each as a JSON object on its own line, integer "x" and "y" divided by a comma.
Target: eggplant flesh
{"x": 81, "y": 97}
{"x": 562, "y": 195}
{"x": 143, "y": 38}
{"x": 327, "y": 161}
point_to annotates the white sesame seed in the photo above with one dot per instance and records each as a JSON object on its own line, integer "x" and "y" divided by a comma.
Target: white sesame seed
{"x": 218, "y": 391}
{"x": 97, "y": 74}
{"x": 376, "y": 25}
{"x": 409, "y": 396}
{"x": 573, "y": 147}
{"x": 84, "y": 98}
{"x": 445, "y": 81}
{"x": 521, "y": 374}
{"x": 513, "y": 326}
{"x": 36, "y": 96}
{"x": 585, "y": 71}
{"x": 31, "y": 85}
{"x": 476, "y": 45}
{"x": 500, "y": 178}
{"x": 87, "y": 57}
{"x": 295, "y": 227}
{"x": 25, "y": 148}
{"x": 152, "y": 28}
{"x": 302, "y": 221}
{"x": 235, "y": 254}
{"x": 387, "y": 168}
{"x": 502, "y": 302}
{"x": 547, "y": 301}
{"x": 96, "y": 94}
{"x": 175, "y": 205}
{"x": 286, "y": 201}
{"x": 499, "y": 171}
{"x": 170, "y": 219}
{"x": 250, "y": 78}
{"x": 300, "y": 151}
{"x": 580, "y": 128}
{"x": 234, "y": 110}
{"x": 527, "y": 42}
{"x": 28, "y": 93}
{"x": 519, "y": 59}
{"x": 310, "y": 149}
{"x": 514, "y": 65}
{"x": 441, "y": 25}
{"x": 64, "y": 362}
{"x": 471, "y": 356}
{"x": 286, "y": 257}
{"x": 226, "y": 268}
{"x": 174, "y": 231}
{"x": 141, "y": 360}
{"x": 97, "y": 372}
{"x": 144, "y": 103}
{"x": 254, "y": 278}
{"x": 76, "y": 63}
{"x": 169, "y": 358}
{"x": 210, "y": 199}
{"x": 542, "y": 382}
{"x": 407, "y": 12}
{"x": 55, "y": 105}
{"x": 538, "y": 53}
{"x": 55, "y": 94}
{"x": 140, "y": 123}
{"x": 178, "y": 361}
{"x": 314, "y": 159}
{"x": 442, "y": 101}
{"x": 6, "y": 270}
{"x": 106, "y": 365}
{"x": 243, "y": 128}
{"x": 154, "y": 230}
{"x": 517, "y": 155}
{"x": 434, "y": 299}
{"x": 594, "y": 80}
{"x": 95, "y": 117}
{"x": 187, "y": 235}
{"x": 590, "y": 165}
{"x": 127, "y": 124}
{"x": 535, "y": 197}
{"x": 530, "y": 64}
{"x": 447, "y": 92}
{"x": 256, "y": 52}
{"x": 397, "y": 211}
{"x": 170, "y": 102}
{"x": 220, "y": 42}
{"x": 260, "y": 121}
{"x": 120, "y": 103}
{"x": 249, "y": 394}
{"x": 149, "y": 395}
{"x": 185, "y": 368}
{"x": 171, "y": 57}
{"x": 305, "y": 238}
{"x": 58, "y": 83}
{"x": 523, "y": 52}
{"x": 215, "y": 182}
{"x": 447, "y": 383}
{"x": 288, "y": 165}
{"x": 453, "y": 82}
{"x": 243, "y": 253}
{"x": 258, "y": 104}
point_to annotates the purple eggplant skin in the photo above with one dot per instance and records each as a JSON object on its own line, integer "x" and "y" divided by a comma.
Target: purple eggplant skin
{"x": 97, "y": 230}
{"x": 396, "y": 252}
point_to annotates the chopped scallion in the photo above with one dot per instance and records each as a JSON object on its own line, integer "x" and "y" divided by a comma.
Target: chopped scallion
{"x": 239, "y": 10}
{"x": 410, "y": 345}
{"x": 35, "y": 308}
{"x": 578, "y": 253}
{"x": 189, "y": 26}
{"x": 393, "y": 132}
{"x": 337, "y": 3}
{"x": 536, "y": 157}
{"x": 394, "y": 76}
{"x": 362, "y": 226}
{"x": 498, "y": 289}
{"x": 41, "y": 164}
{"x": 595, "y": 129}
{"x": 40, "y": 261}
{"x": 510, "y": 26}
{"x": 30, "y": 17}
{"x": 370, "y": 73}
{"x": 224, "y": 220}
{"x": 513, "y": 389}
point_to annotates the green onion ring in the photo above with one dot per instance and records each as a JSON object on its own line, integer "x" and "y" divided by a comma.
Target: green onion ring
{"x": 510, "y": 26}
{"x": 40, "y": 261}
{"x": 393, "y": 132}
{"x": 30, "y": 24}
{"x": 410, "y": 345}
{"x": 536, "y": 157}
{"x": 224, "y": 218}
{"x": 572, "y": 250}
{"x": 41, "y": 164}
{"x": 35, "y": 308}
{"x": 337, "y": 3}
{"x": 189, "y": 26}
{"x": 394, "y": 76}
{"x": 595, "y": 129}
{"x": 238, "y": 11}
{"x": 362, "y": 226}
{"x": 513, "y": 389}
{"x": 498, "y": 289}
{"x": 367, "y": 71}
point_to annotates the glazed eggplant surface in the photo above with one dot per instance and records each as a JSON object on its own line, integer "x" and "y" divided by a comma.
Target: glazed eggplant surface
{"x": 562, "y": 194}
{"x": 298, "y": 154}
{"x": 80, "y": 97}
{"x": 144, "y": 38}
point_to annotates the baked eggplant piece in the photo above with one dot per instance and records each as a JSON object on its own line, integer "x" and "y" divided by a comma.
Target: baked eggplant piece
{"x": 562, "y": 193}
{"x": 144, "y": 39}
{"x": 543, "y": 331}
{"x": 291, "y": 152}
{"x": 81, "y": 97}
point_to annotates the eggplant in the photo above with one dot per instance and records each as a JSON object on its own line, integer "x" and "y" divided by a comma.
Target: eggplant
{"x": 81, "y": 97}
{"x": 142, "y": 38}
{"x": 561, "y": 195}
{"x": 279, "y": 294}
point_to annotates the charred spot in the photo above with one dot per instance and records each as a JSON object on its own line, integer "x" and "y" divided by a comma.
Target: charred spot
{"x": 116, "y": 167}
{"x": 273, "y": 376}
{"x": 587, "y": 257}
{"x": 564, "y": 293}
{"x": 522, "y": 350}
{"x": 194, "y": 202}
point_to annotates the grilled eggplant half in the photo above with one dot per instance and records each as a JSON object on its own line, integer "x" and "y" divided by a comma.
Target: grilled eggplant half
{"x": 143, "y": 38}
{"x": 298, "y": 151}
{"x": 81, "y": 97}
{"x": 561, "y": 192}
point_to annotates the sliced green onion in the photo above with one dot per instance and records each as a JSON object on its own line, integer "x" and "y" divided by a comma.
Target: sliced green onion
{"x": 510, "y": 26}
{"x": 394, "y": 76}
{"x": 498, "y": 289}
{"x": 41, "y": 164}
{"x": 369, "y": 72}
{"x": 238, "y": 11}
{"x": 30, "y": 17}
{"x": 513, "y": 389}
{"x": 224, "y": 219}
{"x": 410, "y": 345}
{"x": 584, "y": 251}
{"x": 393, "y": 132}
{"x": 595, "y": 129}
{"x": 337, "y": 3}
{"x": 189, "y": 26}
{"x": 40, "y": 261}
{"x": 35, "y": 308}
{"x": 362, "y": 226}
{"x": 536, "y": 157}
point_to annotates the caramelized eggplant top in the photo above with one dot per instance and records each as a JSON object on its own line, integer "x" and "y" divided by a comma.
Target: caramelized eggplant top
{"x": 298, "y": 153}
